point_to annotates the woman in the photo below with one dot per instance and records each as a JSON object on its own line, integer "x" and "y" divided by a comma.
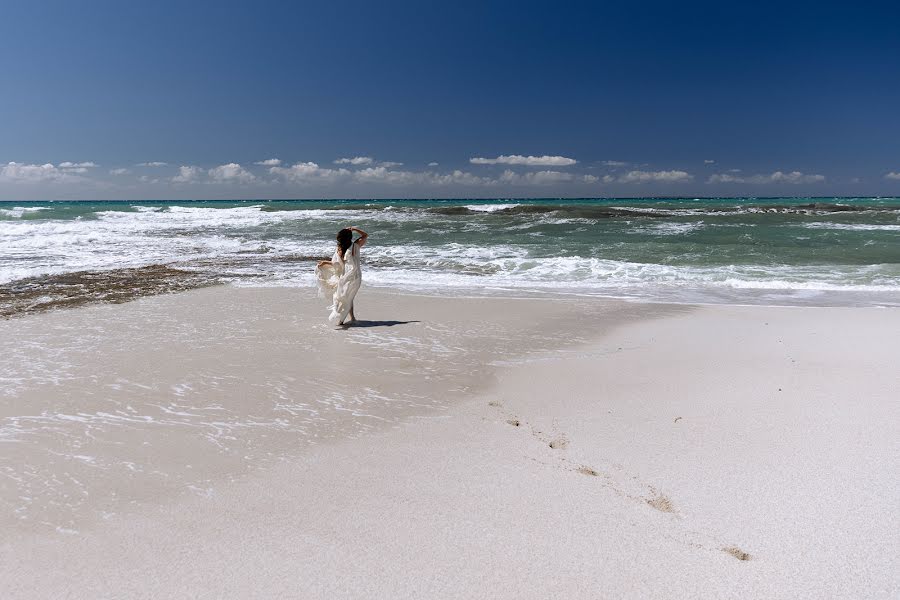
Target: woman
{"x": 340, "y": 277}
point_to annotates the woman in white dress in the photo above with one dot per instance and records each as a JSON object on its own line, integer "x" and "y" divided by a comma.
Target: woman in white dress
{"x": 339, "y": 278}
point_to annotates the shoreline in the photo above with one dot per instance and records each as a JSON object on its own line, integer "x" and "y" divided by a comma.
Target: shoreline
{"x": 119, "y": 286}
{"x": 756, "y": 252}
{"x": 624, "y": 460}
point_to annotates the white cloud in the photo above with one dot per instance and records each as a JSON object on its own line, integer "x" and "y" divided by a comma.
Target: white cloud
{"x": 356, "y": 160}
{"x": 228, "y": 173}
{"x": 608, "y": 179}
{"x": 615, "y": 163}
{"x": 231, "y": 173}
{"x": 312, "y": 173}
{"x": 794, "y": 178}
{"x": 708, "y": 162}
{"x": 725, "y": 178}
{"x": 152, "y": 164}
{"x": 384, "y": 175}
{"x": 458, "y": 177}
{"x": 188, "y": 174}
{"x": 75, "y": 165}
{"x": 432, "y": 164}
{"x": 309, "y": 172}
{"x": 530, "y": 161}
{"x": 654, "y": 176}
{"x": 119, "y": 171}
{"x": 28, "y": 173}
{"x": 892, "y": 175}
{"x": 269, "y": 162}
{"x": 546, "y": 177}
{"x": 534, "y": 177}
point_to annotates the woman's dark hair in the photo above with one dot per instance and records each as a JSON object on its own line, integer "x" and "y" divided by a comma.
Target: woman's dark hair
{"x": 344, "y": 240}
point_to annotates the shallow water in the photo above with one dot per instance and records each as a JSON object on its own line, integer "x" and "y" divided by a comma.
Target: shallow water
{"x": 108, "y": 408}
{"x": 758, "y": 251}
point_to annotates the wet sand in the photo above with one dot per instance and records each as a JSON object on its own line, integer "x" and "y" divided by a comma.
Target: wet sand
{"x": 227, "y": 443}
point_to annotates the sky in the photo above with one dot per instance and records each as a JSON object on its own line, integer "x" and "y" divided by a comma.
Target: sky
{"x": 219, "y": 100}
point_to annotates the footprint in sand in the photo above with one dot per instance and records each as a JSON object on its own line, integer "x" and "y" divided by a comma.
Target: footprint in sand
{"x": 737, "y": 553}
{"x": 660, "y": 502}
{"x": 559, "y": 443}
{"x": 585, "y": 470}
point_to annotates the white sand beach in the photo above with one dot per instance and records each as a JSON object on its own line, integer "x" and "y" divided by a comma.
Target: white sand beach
{"x": 227, "y": 443}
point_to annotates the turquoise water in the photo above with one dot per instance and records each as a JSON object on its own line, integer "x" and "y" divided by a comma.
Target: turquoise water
{"x": 748, "y": 250}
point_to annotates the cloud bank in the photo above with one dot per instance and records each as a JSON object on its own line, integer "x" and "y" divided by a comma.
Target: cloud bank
{"x": 356, "y": 160}
{"x": 362, "y": 176}
{"x": 528, "y": 161}
{"x": 222, "y": 174}
{"x": 32, "y": 173}
{"x": 793, "y": 177}
{"x": 650, "y": 177}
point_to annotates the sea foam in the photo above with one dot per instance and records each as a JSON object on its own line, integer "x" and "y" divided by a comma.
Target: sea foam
{"x": 687, "y": 248}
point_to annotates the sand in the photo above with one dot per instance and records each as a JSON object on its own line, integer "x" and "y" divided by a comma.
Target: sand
{"x": 526, "y": 448}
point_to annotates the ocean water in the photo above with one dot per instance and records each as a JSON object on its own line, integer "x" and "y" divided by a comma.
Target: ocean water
{"x": 828, "y": 251}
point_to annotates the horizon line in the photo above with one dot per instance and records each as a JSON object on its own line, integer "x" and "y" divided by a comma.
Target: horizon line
{"x": 462, "y": 198}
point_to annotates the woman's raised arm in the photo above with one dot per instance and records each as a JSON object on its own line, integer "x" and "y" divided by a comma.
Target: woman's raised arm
{"x": 363, "y": 236}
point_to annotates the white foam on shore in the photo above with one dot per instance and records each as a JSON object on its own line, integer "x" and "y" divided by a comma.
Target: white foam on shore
{"x": 496, "y": 270}
{"x": 155, "y": 235}
{"x": 512, "y": 266}
{"x": 252, "y": 241}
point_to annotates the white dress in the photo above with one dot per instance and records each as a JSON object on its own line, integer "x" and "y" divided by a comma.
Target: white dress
{"x": 339, "y": 282}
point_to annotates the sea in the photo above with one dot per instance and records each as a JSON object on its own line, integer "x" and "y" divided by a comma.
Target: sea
{"x": 773, "y": 251}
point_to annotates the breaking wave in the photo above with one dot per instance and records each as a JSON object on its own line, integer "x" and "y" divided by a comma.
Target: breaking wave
{"x": 722, "y": 250}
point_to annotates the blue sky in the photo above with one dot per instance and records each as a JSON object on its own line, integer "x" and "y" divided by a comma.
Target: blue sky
{"x": 559, "y": 99}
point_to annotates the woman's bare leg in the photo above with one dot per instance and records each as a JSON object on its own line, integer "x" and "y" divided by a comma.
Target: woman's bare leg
{"x": 352, "y": 316}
